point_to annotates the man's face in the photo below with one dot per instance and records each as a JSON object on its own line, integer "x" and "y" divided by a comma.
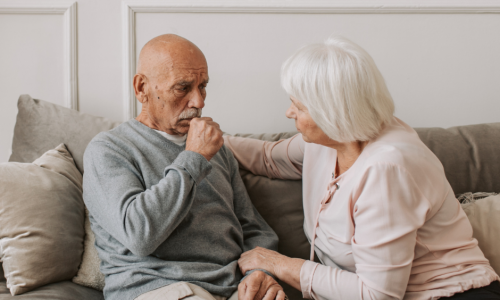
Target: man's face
{"x": 177, "y": 95}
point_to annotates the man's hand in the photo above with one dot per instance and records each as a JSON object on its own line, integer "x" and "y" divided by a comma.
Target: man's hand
{"x": 260, "y": 286}
{"x": 204, "y": 137}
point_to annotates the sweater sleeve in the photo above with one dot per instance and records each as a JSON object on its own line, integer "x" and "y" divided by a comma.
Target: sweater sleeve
{"x": 140, "y": 219}
{"x": 388, "y": 211}
{"x": 281, "y": 159}
{"x": 256, "y": 232}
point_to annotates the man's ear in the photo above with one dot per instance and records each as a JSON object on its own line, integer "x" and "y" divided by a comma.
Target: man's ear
{"x": 140, "y": 87}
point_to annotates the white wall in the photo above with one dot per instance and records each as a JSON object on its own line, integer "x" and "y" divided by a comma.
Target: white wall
{"x": 31, "y": 62}
{"x": 442, "y": 69}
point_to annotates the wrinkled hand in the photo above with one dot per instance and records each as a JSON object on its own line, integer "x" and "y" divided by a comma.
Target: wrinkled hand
{"x": 262, "y": 258}
{"x": 260, "y": 286}
{"x": 204, "y": 137}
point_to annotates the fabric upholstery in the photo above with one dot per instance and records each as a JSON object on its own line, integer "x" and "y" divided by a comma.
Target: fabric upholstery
{"x": 89, "y": 273}
{"x": 41, "y": 126}
{"x": 41, "y": 220}
{"x": 484, "y": 216}
{"x": 64, "y": 290}
{"x": 469, "y": 154}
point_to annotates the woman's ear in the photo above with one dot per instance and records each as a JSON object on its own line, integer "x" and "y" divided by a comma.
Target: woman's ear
{"x": 140, "y": 87}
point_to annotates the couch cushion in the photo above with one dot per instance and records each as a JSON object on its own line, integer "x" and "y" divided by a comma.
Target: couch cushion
{"x": 57, "y": 291}
{"x": 280, "y": 204}
{"x": 41, "y": 126}
{"x": 470, "y": 155}
{"x": 41, "y": 220}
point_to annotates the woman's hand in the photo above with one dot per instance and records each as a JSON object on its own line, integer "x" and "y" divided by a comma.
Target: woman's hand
{"x": 284, "y": 268}
{"x": 261, "y": 258}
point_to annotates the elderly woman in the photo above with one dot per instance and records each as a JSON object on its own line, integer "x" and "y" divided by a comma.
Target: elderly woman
{"x": 379, "y": 211}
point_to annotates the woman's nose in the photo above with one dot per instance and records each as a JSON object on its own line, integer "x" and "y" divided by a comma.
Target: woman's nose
{"x": 290, "y": 113}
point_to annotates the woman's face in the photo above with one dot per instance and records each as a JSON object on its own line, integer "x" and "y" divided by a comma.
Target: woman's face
{"x": 304, "y": 123}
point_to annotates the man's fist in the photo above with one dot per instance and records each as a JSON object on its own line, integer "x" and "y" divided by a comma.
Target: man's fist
{"x": 204, "y": 137}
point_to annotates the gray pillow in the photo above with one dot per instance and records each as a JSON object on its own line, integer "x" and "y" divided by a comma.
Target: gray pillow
{"x": 41, "y": 220}
{"x": 469, "y": 154}
{"x": 41, "y": 126}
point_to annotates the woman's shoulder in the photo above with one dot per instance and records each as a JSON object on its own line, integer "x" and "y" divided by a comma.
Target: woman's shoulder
{"x": 398, "y": 157}
{"x": 399, "y": 144}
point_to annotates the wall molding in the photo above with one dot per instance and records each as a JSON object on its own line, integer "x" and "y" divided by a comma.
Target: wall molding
{"x": 131, "y": 7}
{"x": 68, "y": 10}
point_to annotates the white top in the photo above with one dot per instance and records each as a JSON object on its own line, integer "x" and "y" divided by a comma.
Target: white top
{"x": 179, "y": 140}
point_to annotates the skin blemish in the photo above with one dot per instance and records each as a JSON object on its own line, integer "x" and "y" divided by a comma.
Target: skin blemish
{"x": 156, "y": 87}
{"x": 158, "y": 97}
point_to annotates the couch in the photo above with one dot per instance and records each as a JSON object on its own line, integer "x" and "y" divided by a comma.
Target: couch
{"x": 469, "y": 154}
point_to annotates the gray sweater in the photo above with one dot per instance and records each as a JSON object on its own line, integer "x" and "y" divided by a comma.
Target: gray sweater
{"x": 161, "y": 214}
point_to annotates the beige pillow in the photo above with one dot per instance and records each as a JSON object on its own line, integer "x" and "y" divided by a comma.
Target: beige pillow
{"x": 41, "y": 220}
{"x": 484, "y": 216}
{"x": 89, "y": 273}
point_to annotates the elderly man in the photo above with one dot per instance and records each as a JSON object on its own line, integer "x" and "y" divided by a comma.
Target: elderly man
{"x": 169, "y": 210}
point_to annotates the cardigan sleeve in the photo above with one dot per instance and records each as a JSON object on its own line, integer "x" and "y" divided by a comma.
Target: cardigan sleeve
{"x": 281, "y": 159}
{"x": 387, "y": 210}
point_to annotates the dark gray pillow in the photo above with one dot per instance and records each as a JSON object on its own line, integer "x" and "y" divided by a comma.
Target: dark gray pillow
{"x": 41, "y": 126}
{"x": 280, "y": 204}
{"x": 470, "y": 155}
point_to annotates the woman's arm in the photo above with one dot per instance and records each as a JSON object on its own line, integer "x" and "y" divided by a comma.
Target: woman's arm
{"x": 329, "y": 282}
{"x": 281, "y": 159}
{"x": 388, "y": 210}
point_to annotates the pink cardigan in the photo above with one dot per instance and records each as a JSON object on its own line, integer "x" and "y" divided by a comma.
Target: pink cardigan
{"x": 392, "y": 228}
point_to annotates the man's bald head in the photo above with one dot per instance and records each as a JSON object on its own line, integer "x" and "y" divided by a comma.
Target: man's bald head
{"x": 164, "y": 52}
{"x": 171, "y": 78}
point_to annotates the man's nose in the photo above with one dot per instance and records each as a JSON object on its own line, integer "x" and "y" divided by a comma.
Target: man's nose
{"x": 197, "y": 99}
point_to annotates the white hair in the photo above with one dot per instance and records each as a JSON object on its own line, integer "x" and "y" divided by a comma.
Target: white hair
{"x": 341, "y": 87}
